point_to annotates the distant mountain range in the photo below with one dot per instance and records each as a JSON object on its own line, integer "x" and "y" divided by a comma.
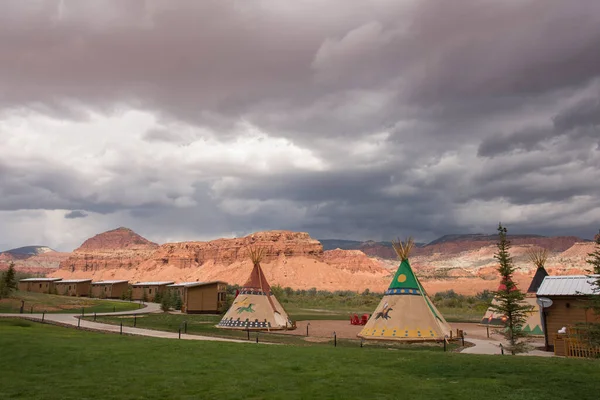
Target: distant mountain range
{"x": 452, "y": 244}
{"x": 28, "y": 251}
{"x": 332, "y": 244}
{"x": 461, "y": 262}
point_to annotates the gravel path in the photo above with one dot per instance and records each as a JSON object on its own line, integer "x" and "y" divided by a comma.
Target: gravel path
{"x": 73, "y": 320}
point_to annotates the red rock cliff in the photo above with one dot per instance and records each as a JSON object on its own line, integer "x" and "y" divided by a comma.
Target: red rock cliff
{"x": 292, "y": 259}
{"x": 119, "y": 248}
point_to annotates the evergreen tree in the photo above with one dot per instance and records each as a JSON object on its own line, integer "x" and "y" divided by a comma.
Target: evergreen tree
{"x": 509, "y": 299}
{"x": 165, "y": 303}
{"x": 594, "y": 261}
{"x": 158, "y": 297}
{"x": 9, "y": 281}
{"x": 593, "y": 329}
{"x": 178, "y": 301}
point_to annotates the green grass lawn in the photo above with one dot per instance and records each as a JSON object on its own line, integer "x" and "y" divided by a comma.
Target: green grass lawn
{"x": 60, "y": 304}
{"x": 48, "y": 362}
{"x": 461, "y": 314}
{"x": 204, "y": 325}
{"x": 297, "y": 313}
{"x": 339, "y": 305}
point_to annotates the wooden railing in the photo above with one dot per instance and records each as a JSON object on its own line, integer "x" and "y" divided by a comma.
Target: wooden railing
{"x": 578, "y": 345}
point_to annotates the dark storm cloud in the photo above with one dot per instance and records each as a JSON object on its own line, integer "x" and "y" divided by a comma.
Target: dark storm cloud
{"x": 75, "y": 214}
{"x": 584, "y": 114}
{"x": 526, "y": 140}
{"x": 417, "y": 110}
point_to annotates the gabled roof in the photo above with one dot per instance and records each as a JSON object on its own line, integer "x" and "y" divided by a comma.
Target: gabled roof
{"x": 568, "y": 285}
{"x": 75, "y": 281}
{"x": 537, "y": 280}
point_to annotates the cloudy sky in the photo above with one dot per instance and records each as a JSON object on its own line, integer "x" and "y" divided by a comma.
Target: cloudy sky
{"x": 193, "y": 120}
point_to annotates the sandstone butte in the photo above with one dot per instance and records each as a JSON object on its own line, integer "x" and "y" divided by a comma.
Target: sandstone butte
{"x": 296, "y": 260}
{"x": 292, "y": 259}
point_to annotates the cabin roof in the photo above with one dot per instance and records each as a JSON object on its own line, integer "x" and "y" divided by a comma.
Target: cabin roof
{"x": 108, "y": 282}
{"x": 162, "y": 283}
{"x": 194, "y": 284}
{"x": 568, "y": 285}
{"x": 40, "y": 279}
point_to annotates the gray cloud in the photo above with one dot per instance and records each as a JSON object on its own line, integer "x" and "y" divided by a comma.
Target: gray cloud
{"x": 372, "y": 120}
{"x": 75, "y": 214}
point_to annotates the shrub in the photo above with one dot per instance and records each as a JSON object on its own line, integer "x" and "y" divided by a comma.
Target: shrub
{"x": 165, "y": 303}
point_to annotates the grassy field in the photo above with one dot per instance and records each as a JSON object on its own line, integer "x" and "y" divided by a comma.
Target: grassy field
{"x": 204, "y": 325}
{"x": 60, "y": 304}
{"x": 461, "y": 314}
{"x": 317, "y": 304}
{"x": 49, "y": 362}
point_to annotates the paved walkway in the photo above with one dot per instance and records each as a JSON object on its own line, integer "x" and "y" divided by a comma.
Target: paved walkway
{"x": 493, "y": 347}
{"x": 73, "y": 320}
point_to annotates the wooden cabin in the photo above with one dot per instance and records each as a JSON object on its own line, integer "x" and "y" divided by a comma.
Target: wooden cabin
{"x": 569, "y": 307}
{"x": 38, "y": 285}
{"x": 109, "y": 289}
{"x": 150, "y": 289}
{"x": 74, "y": 287}
{"x": 201, "y": 297}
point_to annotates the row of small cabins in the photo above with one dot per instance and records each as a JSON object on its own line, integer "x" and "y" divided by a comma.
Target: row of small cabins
{"x": 196, "y": 297}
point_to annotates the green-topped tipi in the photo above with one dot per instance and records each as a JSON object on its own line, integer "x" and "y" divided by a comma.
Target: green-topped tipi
{"x": 405, "y": 313}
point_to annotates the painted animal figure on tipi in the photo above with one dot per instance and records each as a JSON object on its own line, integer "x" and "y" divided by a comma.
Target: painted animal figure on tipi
{"x": 245, "y": 306}
{"x": 385, "y": 313}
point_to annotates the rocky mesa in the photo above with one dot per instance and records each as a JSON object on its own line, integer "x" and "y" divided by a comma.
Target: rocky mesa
{"x": 464, "y": 264}
{"x": 292, "y": 259}
{"x": 116, "y": 249}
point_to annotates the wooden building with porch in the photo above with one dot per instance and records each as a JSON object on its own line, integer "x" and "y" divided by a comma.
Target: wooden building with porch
{"x": 201, "y": 297}
{"x": 74, "y": 287}
{"x": 150, "y": 289}
{"x": 38, "y": 285}
{"x": 109, "y": 289}
{"x": 565, "y": 305}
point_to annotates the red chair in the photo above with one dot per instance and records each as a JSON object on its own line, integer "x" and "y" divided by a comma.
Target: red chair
{"x": 364, "y": 319}
{"x": 354, "y": 319}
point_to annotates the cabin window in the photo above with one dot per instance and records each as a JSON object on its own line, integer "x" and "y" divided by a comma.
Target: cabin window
{"x": 105, "y": 288}
{"x": 40, "y": 285}
{"x": 150, "y": 290}
{"x": 222, "y": 296}
{"x": 69, "y": 287}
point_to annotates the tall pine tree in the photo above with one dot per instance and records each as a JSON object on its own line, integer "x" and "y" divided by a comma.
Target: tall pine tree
{"x": 509, "y": 299}
{"x": 9, "y": 281}
{"x": 594, "y": 300}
